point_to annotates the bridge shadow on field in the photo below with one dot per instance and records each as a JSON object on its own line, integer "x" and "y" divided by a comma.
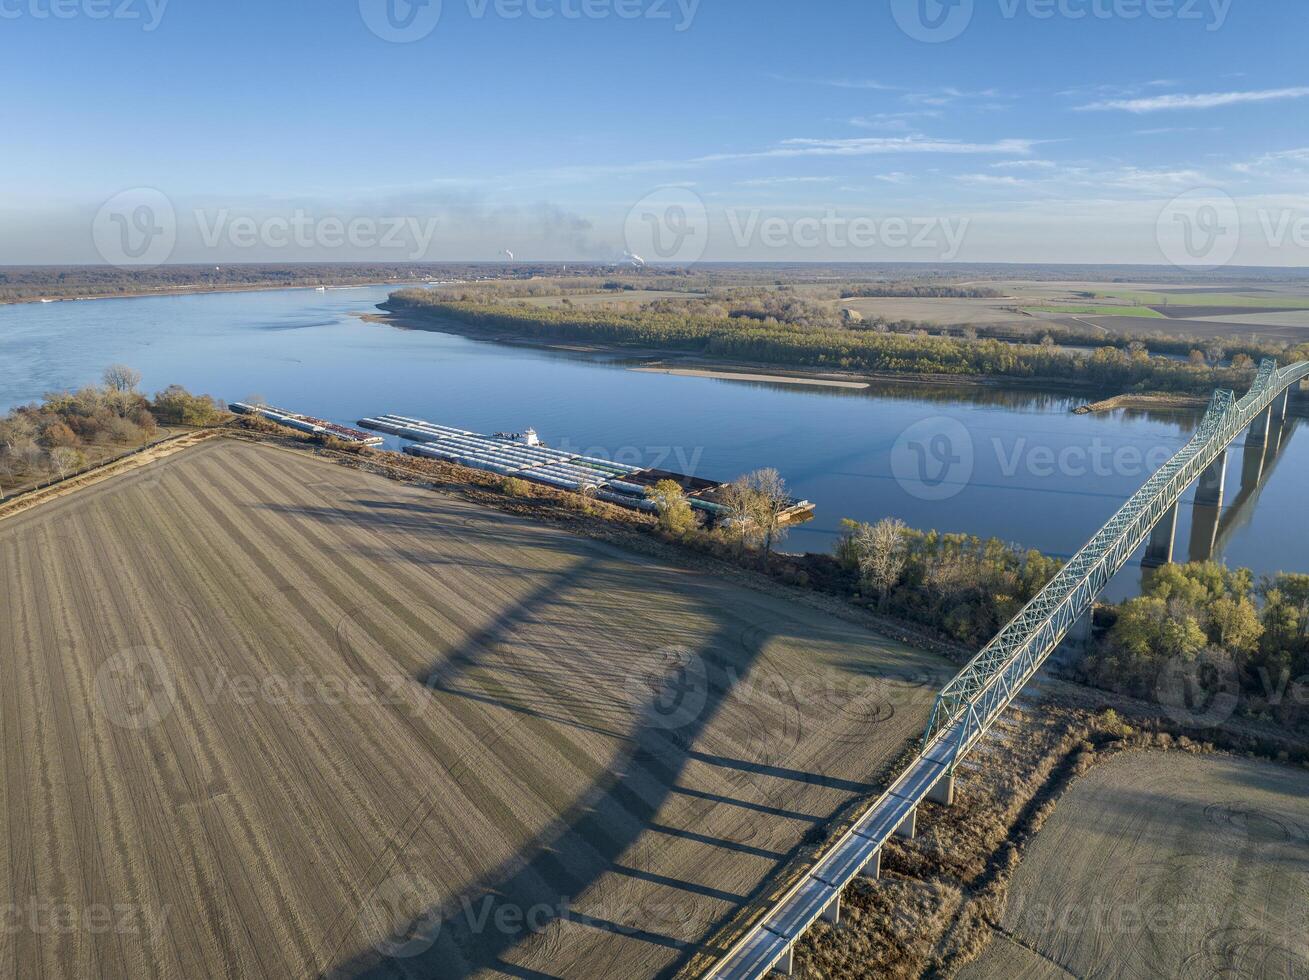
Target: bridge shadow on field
{"x": 554, "y": 675}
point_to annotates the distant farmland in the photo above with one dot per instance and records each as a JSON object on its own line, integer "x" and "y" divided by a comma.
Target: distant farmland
{"x": 283, "y": 718}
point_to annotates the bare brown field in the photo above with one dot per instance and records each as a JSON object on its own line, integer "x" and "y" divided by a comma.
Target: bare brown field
{"x": 1292, "y": 330}
{"x": 1163, "y": 865}
{"x": 268, "y": 716}
{"x": 940, "y": 312}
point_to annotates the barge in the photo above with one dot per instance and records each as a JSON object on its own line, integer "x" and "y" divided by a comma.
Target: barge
{"x": 307, "y": 423}
{"x": 524, "y": 456}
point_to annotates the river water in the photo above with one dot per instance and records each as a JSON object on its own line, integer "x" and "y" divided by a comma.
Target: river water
{"x": 1010, "y": 463}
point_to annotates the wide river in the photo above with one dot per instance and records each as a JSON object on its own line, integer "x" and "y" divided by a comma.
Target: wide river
{"x": 1015, "y": 464}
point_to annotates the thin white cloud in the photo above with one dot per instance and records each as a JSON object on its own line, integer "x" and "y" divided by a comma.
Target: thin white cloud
{"x": 1025, "y": 165}
{"x": 892, "y": 121}
{"x": 779, "y": 181}
{"x": 990, "y": 180}
{"x": 1208, "y": 100}
{"x": 875, "y": 145}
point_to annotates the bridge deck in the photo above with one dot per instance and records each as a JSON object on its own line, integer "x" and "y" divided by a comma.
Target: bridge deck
{"x": 971, "y": 703}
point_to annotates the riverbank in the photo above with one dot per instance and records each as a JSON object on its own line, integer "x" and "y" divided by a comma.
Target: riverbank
{"x": 654, "y": 360}
{"x": 1142, "y": 401}
{"x": 200, "y": 289}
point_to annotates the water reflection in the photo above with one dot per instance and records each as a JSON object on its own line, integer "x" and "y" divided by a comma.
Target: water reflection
{"x": 1039, "y": 475}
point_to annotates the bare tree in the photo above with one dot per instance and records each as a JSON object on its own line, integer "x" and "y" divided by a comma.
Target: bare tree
{"x": 121, "y": 378}
{"x": 737, "y": 497}
{"x": 880, "y": 548}
{"x": 769, "y": 501}
{"x": 65, "y": 460}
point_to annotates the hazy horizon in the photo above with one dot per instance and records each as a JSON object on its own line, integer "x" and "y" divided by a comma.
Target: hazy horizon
{"x": 1016, "y": 131}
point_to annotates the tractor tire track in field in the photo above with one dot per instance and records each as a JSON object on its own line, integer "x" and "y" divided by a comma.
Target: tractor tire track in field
{"x": 266, "y": 716}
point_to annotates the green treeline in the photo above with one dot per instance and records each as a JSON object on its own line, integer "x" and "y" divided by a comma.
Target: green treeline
{"x": 1203, "y": 633}
{"x": 746, "y": 339}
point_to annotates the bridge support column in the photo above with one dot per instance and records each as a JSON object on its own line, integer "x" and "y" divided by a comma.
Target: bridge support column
{"x": 908, "y": 826}
{"x": 832, "y": 913}
{"x": 786, "y": 965}
{"x": 943, "y": 792}
{"x": 1252, "y": 464}
{"x": 1160, "y": 549}
{"x": 1283, "y": 404}
{"x": 873, "y": 869}
{"x": 1258, "y": 434}
{"x": 1213, "y": 481}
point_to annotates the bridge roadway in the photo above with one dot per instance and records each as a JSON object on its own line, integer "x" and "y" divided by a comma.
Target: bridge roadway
{"x": 973, "y": 701}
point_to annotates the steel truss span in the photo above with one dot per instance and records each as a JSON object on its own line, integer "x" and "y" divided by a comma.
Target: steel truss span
{"x": 973, "y": 701}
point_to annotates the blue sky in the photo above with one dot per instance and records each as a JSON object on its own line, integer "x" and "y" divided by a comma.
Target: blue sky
{"x": 1046, "y": 130}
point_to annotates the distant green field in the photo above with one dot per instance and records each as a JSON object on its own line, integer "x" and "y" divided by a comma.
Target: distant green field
{"x": 1141, "y": 311}
{"x": 1208, "y": 299}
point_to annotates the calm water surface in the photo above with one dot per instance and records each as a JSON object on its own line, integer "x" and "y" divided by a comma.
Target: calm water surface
{"x": 1039, "y": 475}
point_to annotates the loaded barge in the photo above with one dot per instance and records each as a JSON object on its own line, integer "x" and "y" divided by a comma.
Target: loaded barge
{"x": 522, "y": 455}
{"x": 307, "y": 423}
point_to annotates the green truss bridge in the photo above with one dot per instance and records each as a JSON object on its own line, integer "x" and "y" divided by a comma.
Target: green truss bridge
{"x": 970, "y": 704}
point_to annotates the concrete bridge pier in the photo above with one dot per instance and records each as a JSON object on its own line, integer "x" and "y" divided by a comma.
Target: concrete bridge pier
{"x": 908, "y": 828}
{"x": 786, "y": 965}
{"x": 1160, "y": 549}
{"x": 1212, "y": 482}
{"x": 943, "y": 792}
{"x": 873, "y": 869}
{"x": 1252, "y": 464}
{"x": 1208, "y": 508}
{"x": 1258, "y": 433}
{"x": 832, "y": 913}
